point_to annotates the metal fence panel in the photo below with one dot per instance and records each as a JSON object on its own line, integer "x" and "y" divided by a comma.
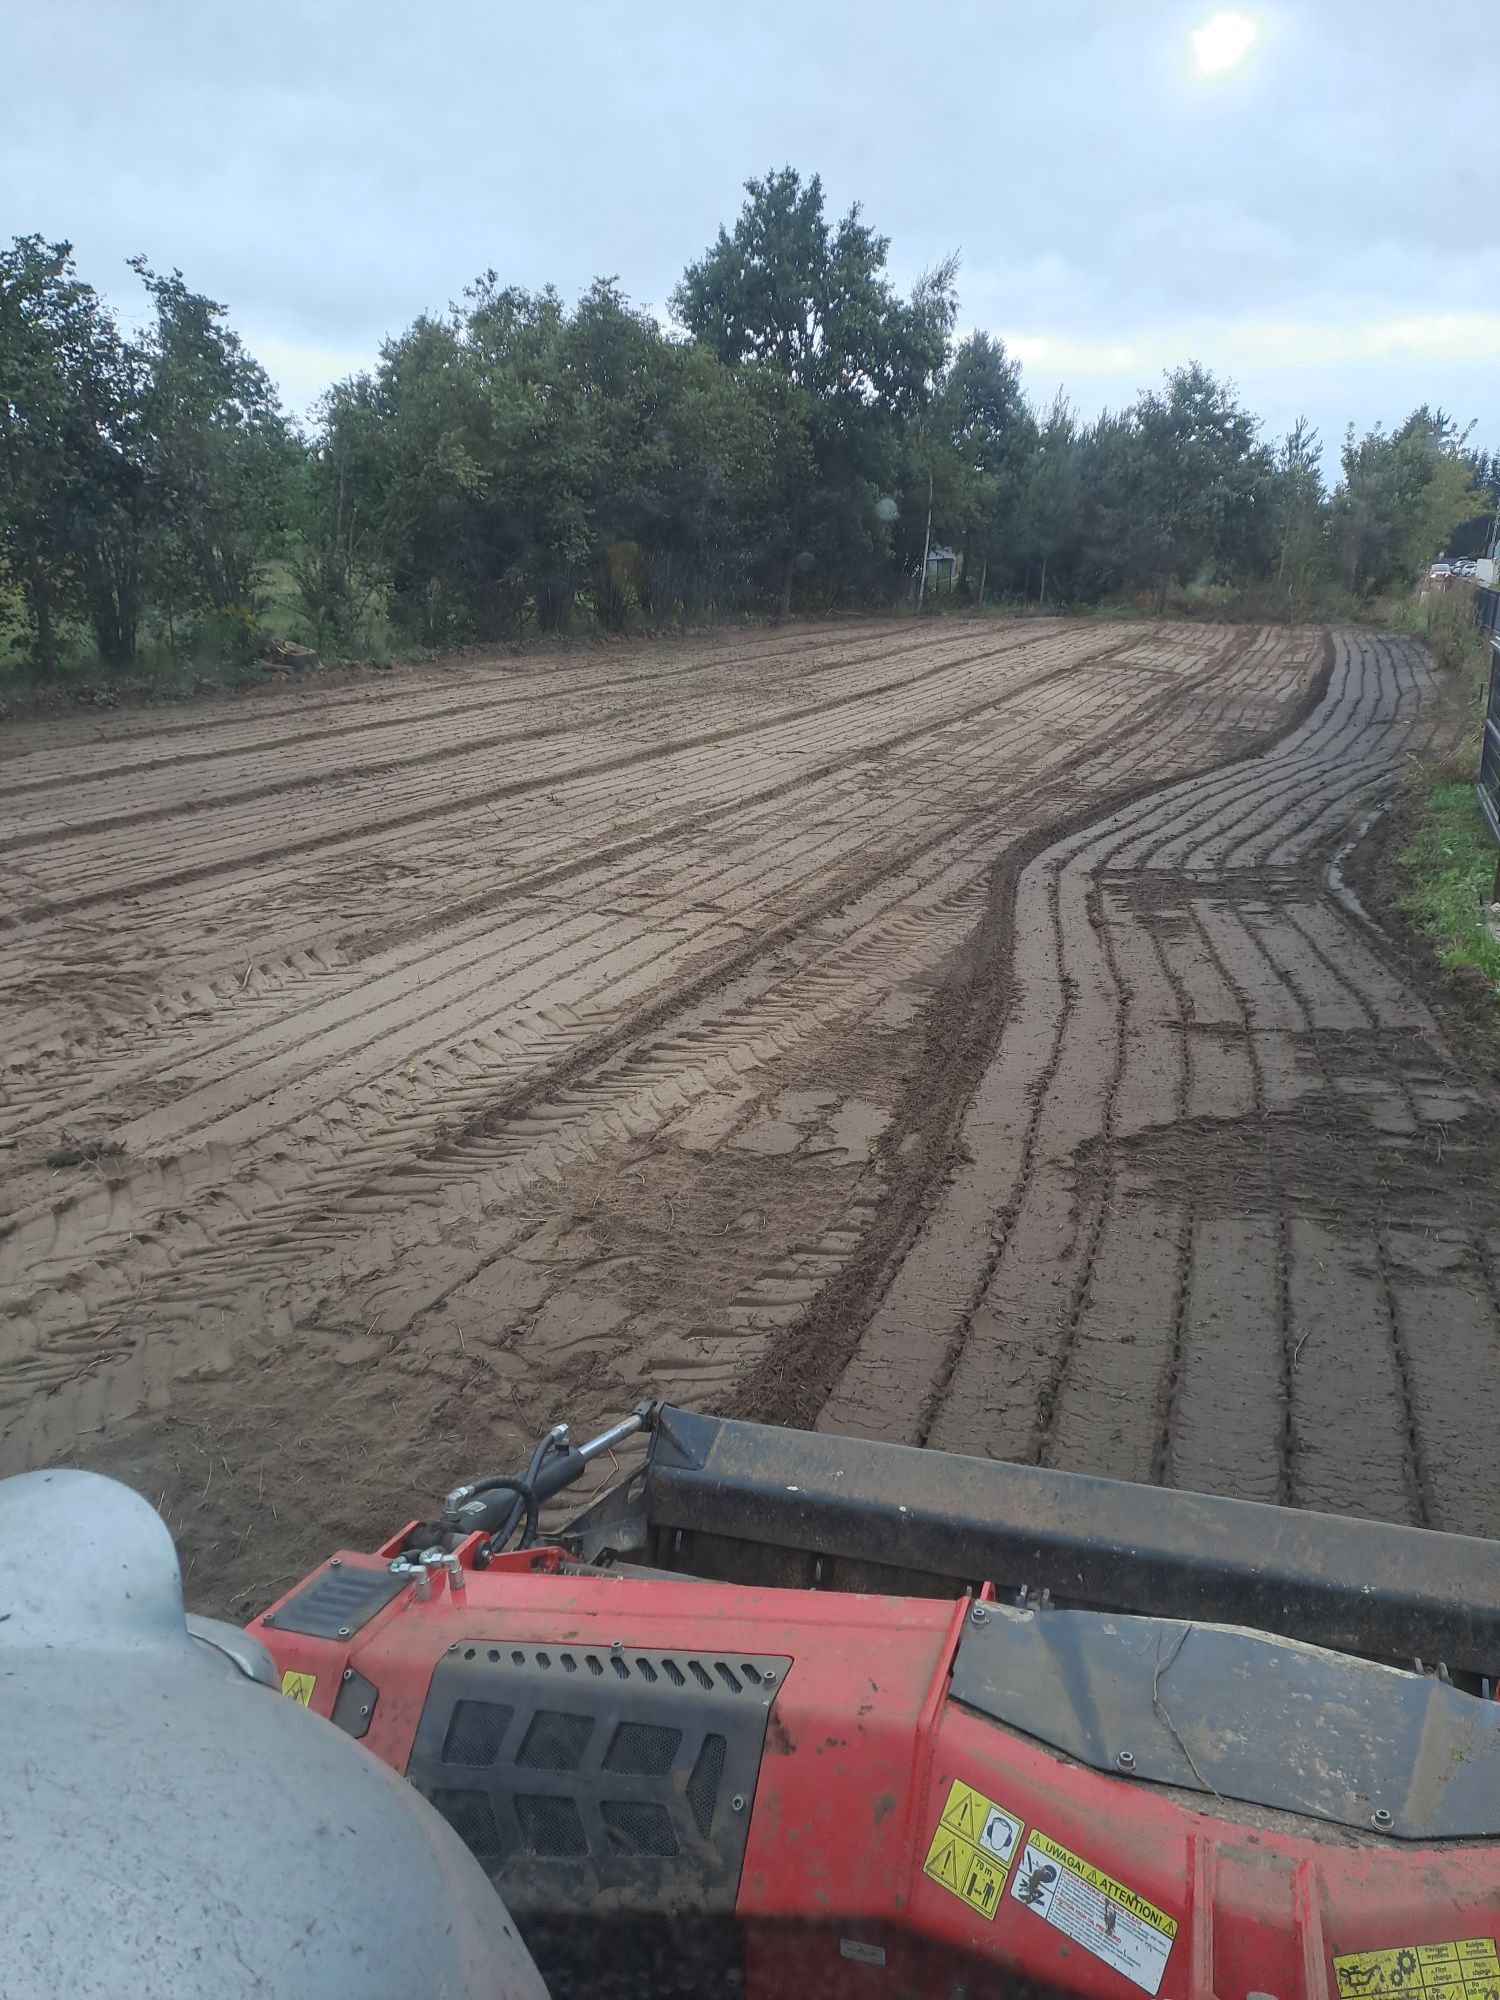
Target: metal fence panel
{"x": 1489, "y": 759}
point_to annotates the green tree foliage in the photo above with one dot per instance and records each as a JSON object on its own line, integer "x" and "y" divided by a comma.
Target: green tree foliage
{"x": 517, "y": 462}
{"x": 1182, "y": 485}
{"x": 1402, "y": 496}
{"x": 1299, "y": 512}
{"x": 134, "y": 474}
{"x": 976, "y": 438}
{"x": 220, "y": 455}
{"x": 69, "y": 475}
{"x": 1049, "y": 528}
{"x": 788, "y": 291}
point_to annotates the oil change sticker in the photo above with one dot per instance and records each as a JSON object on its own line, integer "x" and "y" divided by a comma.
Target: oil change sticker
{"x": 298, "y": 1687}
{"x": 1095, "y": 1911}
{"x": 1466, "y": 1969}
{"x": 972, "y": 1847}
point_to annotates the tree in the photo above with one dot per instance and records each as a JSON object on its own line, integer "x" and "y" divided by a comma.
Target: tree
{"x": 1184, "y": 485}
{"x": 785, "y": 290}
{"x": 1051, "y": 500}
{"x": 975, "y": 441}
{"x": 1298, "y": 506}
{"x": 618, "y": 370}
{"x": 1400, "y": 499}
{"x": 221, "y": 458}
{"x": 65, "y": 471}
{"x": 341, "y": 556}
{"x": 403, "y": 449}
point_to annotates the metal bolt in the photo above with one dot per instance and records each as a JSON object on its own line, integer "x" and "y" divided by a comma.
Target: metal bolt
{"x": 1380, "y": 1817}
{"x": 1126, "y": 1760}
{"x": 269, "y": 1619}
{"x": 348, "y": 1673}
{"x": 617, "y": 1645}
{"x": 769, "y": 1676}
{"x": 453, "y": 1649}
{"x": 364, "y": 1708}
{"x": 979, "y": 1614}
{"x": 335, "y": 1562}
{"x": 737, "y": 1803}
{"x": 343, "y": 1631}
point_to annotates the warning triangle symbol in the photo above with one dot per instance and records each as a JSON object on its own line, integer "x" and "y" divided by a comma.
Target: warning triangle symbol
{"x": 965, "y": 1814}
{"x": 942, "y": 1865}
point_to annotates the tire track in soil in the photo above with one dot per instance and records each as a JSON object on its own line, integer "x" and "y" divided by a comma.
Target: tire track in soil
{"x": 584, "y": 823}
{"x": 543, "y": 1066}
{"x": 418, "y": 967}
{"x": 1239, "y": 1286}
{"x": 958, "y": 1239}
{"x": 462, "y": 740}
{"x": 443, "y": 805}
{"x": 109, "y": 1343}
{"x": 67, "y": 768}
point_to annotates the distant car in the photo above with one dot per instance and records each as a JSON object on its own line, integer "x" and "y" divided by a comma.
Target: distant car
{"x": 1441, "y": 568}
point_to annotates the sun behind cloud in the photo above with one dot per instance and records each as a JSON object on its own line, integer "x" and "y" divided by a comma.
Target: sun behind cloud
{"x": 1222, "y": 41}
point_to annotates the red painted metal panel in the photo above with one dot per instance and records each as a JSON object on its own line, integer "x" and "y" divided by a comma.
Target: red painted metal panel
{"x": 862, "y": 1754}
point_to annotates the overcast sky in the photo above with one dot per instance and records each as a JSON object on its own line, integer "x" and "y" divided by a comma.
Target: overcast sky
{"x": 1318, "y": 222}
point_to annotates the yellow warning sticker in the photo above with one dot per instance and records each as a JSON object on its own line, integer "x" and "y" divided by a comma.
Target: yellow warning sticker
{"x": 972, "y": 1848}
{"x": 298, "y": 1687}
{"x": 1465, "y": 1969}
{"x": 1095, "y": 1911}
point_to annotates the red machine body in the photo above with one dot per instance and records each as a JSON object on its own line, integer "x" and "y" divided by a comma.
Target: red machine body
{"x": 899, "y": 1843}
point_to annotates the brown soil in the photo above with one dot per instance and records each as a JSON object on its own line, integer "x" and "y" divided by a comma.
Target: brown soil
{"x": 930, "y": 1032}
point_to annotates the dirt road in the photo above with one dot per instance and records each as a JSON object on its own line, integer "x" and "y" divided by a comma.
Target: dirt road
{"x": 862, "y": 1021}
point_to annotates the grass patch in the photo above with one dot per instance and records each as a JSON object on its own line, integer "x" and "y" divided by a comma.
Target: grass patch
{"x": 1449, "y": 870}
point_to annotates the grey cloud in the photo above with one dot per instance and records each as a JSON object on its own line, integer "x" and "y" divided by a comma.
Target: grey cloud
{"x": 331, "y": 170}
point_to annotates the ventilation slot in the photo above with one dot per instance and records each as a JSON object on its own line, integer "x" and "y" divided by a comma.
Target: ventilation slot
{"x": 518, "y": 1659}
{"x": 729, "y": 1677}
{"x": 638, "y": 1829}
{"x": 475, "y": 1733}
{"x": 646, "y": 1671}
{"x": 591, "y": 1661}
{"x": 700, "y": 1674}
{"x": 674, "y": 1673}
{"x": 555, "y": 1742}
{"x": 569, "y": 1664}
{"x": 472, "y": 1818}
{"x": 751, "y": 1674}
{"x": 642, "y": 1750}
{"x": 703, "y": 1786}
{"x": 622, "y": 1672}
{"x": 551, "y": 1828}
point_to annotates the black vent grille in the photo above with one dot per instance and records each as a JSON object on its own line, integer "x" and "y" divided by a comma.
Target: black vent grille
{"x": 735, "y": 1676}
{"x": 472, "y": 1818}
{"x": 573, "y": 1770}
{"x": 551, "y": 1828}
{"x": 555, "y": 1742}
{"x": 640, "y": 1828}
{"x": 703, "y": 1785}
{"x": 476, "y": 1732}
{"x": 642, "y": 1749}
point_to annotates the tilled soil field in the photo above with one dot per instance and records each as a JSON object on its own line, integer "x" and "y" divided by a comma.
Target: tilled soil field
{"x": 948, "y": 1033}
